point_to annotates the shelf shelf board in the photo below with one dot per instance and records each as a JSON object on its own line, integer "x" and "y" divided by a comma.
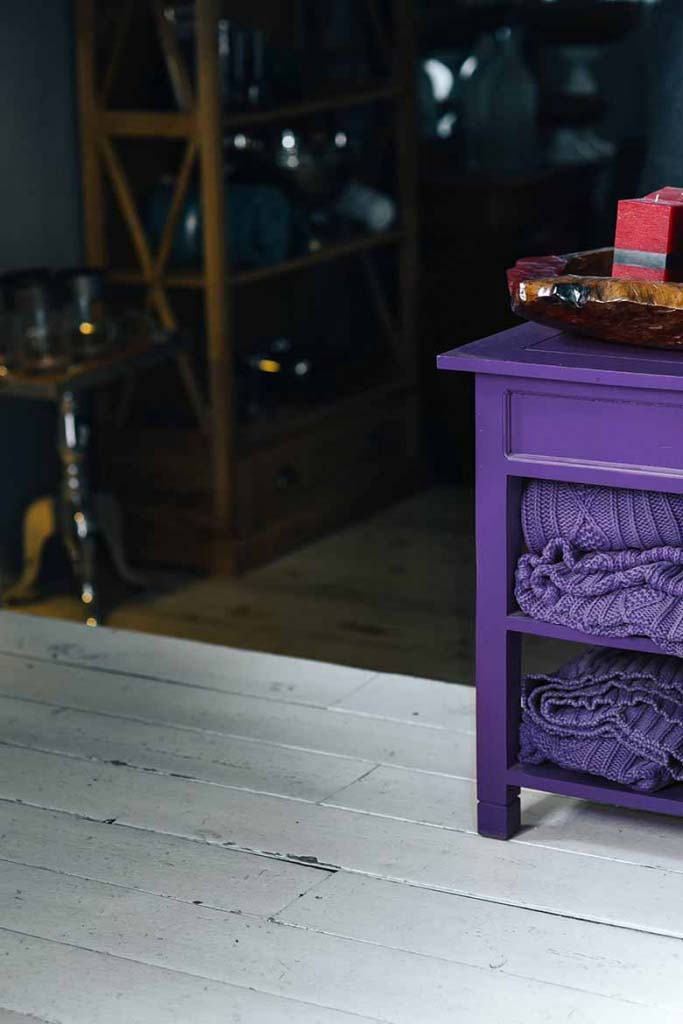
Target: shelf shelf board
{"x": 173, "y": 279}
{"x": 171, "y": 124}
{"x": 517, "y": 622}
{"x": 318, "y": 105}
{"x": 327, "y": 254}
{"x": 294, "y": 420}
{"x": 81, "y": 376}
{"x": 550, "y": 779}
{"x": 167, "y": 124}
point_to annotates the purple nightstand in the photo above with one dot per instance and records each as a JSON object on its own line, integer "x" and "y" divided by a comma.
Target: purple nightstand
{"x": 552, "y": 406}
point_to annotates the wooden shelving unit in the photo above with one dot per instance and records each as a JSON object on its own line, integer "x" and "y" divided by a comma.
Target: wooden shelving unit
{"x": 326, "y": 254}
{"x": 273, "y": 484}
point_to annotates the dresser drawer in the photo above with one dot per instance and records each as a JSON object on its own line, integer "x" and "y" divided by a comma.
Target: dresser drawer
{"x": 609, "y": 427}
{"x": 288, "y": 479}
{"x": 158, "y": 462}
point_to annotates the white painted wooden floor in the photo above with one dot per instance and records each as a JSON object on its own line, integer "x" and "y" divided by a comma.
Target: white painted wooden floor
{"x": 197, "y": 834}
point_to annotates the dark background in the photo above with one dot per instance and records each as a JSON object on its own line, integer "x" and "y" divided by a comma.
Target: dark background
{"x": 472, "y": 225}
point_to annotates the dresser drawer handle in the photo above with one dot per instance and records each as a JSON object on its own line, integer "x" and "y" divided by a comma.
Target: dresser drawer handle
{"x": 286, "y": 478}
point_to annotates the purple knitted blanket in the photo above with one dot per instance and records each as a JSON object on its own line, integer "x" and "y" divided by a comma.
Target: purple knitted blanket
{"x": 609, "y": 713}
{"x": 600, "y": 518}
{"x": 604, "y": 561}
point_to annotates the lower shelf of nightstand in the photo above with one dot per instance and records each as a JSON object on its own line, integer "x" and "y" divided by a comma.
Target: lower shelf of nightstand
{"x": 518, "y": 622}
{"x": 549, "y": 779}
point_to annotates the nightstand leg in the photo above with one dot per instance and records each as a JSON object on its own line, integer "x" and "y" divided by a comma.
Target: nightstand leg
{"x": 499, "y": 821}
{"x": 498, "y": 662}
{"x": 498, "y": 674}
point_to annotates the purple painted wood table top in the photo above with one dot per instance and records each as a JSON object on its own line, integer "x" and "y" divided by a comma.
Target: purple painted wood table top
{"x": 533, "y": 351}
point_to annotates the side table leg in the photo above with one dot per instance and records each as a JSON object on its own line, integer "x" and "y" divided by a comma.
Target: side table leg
{"x": 40, "y": 523}
{"x": 111, "y": 530}
{"x": 78, "y": 524}
{"x": 498, "y": 661}
{"x": 498, "y": 673}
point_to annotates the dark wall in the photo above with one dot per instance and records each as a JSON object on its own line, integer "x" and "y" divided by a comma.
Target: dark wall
{"x": 39, "y": 215}
{"x": 39, "y": 187}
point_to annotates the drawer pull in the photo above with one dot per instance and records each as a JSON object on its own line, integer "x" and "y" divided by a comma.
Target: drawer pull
{"x": 286, "y": 478}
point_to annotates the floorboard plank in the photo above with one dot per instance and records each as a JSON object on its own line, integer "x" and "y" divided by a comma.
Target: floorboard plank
{"x": 517, "y": 873}
{"x": 300, "y": 964}
{"x": 417, "y": 701}
{"x": 575, "y": 826}
{"x": 161, "y": 865}
{"x": 246, "y": 764}
{"x": 310, "y": 728}
{"x": 297, "y": 844}
{"x": 11, "y": 1017}
{"x": 613, "y": 962}
{"x": 39, "y": 978}
{"x": 195, "y": 664}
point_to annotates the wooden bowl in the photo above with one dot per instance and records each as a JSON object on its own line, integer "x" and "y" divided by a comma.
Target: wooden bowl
{"x": 576, "y": 293}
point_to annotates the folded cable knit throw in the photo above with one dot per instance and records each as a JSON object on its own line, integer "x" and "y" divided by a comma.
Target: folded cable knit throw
{"x": 609, "y": 713}
{"x": 600, "y": 518}
{"x": 605, "y": 561}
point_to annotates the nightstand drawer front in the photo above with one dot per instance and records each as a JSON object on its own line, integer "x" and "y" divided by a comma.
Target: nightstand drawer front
{"x": 584, "y": 429}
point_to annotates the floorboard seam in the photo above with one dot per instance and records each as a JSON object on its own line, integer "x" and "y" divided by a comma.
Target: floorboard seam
{"x": 148, "y": 770}
{"x": 313, "y": 862}
{"x": 429, "y": 771}
{"x": 344, "y": 938}
{"x": 517, "y": 840}
{"x": 462, "y": 894}
{"x": 199, "y": 977}
{"x": 186, "y": 901}
{"x": 303, "y": 860}
{"x": 357, "y": 689}
{"x": 399, "y": 721}
{"x": 26, "y": 1016}
{"x": 196, "y": 730}
{"x": 324, "y": 878}
{"x": 127, "y": 674}
{"x": 333, "y": 706}
{"x": 311, "y": 803}
{"x": 476, "y": 967}
{"x": 337, "y": 792}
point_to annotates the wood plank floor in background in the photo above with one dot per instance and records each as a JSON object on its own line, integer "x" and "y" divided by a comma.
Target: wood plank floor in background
{"x": 198, "y": 834}
{"x": 394, "y": 593}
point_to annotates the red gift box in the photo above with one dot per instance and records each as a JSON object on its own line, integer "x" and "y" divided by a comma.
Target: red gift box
{"x": 648, "y": 244}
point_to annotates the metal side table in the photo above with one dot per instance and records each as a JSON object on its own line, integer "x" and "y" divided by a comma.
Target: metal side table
{"x": 77, "y": 515}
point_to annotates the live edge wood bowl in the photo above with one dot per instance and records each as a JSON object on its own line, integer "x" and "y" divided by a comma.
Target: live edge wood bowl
{"x": 576, "y": 293}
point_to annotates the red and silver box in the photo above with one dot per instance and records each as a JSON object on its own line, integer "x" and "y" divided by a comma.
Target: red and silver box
{"x": 649, "y": 239}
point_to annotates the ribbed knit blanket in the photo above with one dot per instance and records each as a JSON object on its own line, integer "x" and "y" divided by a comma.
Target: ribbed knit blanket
{"x": 604, "y": 561}
{"x": 609, "y": 713}
{"x": 600, "y": 518}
